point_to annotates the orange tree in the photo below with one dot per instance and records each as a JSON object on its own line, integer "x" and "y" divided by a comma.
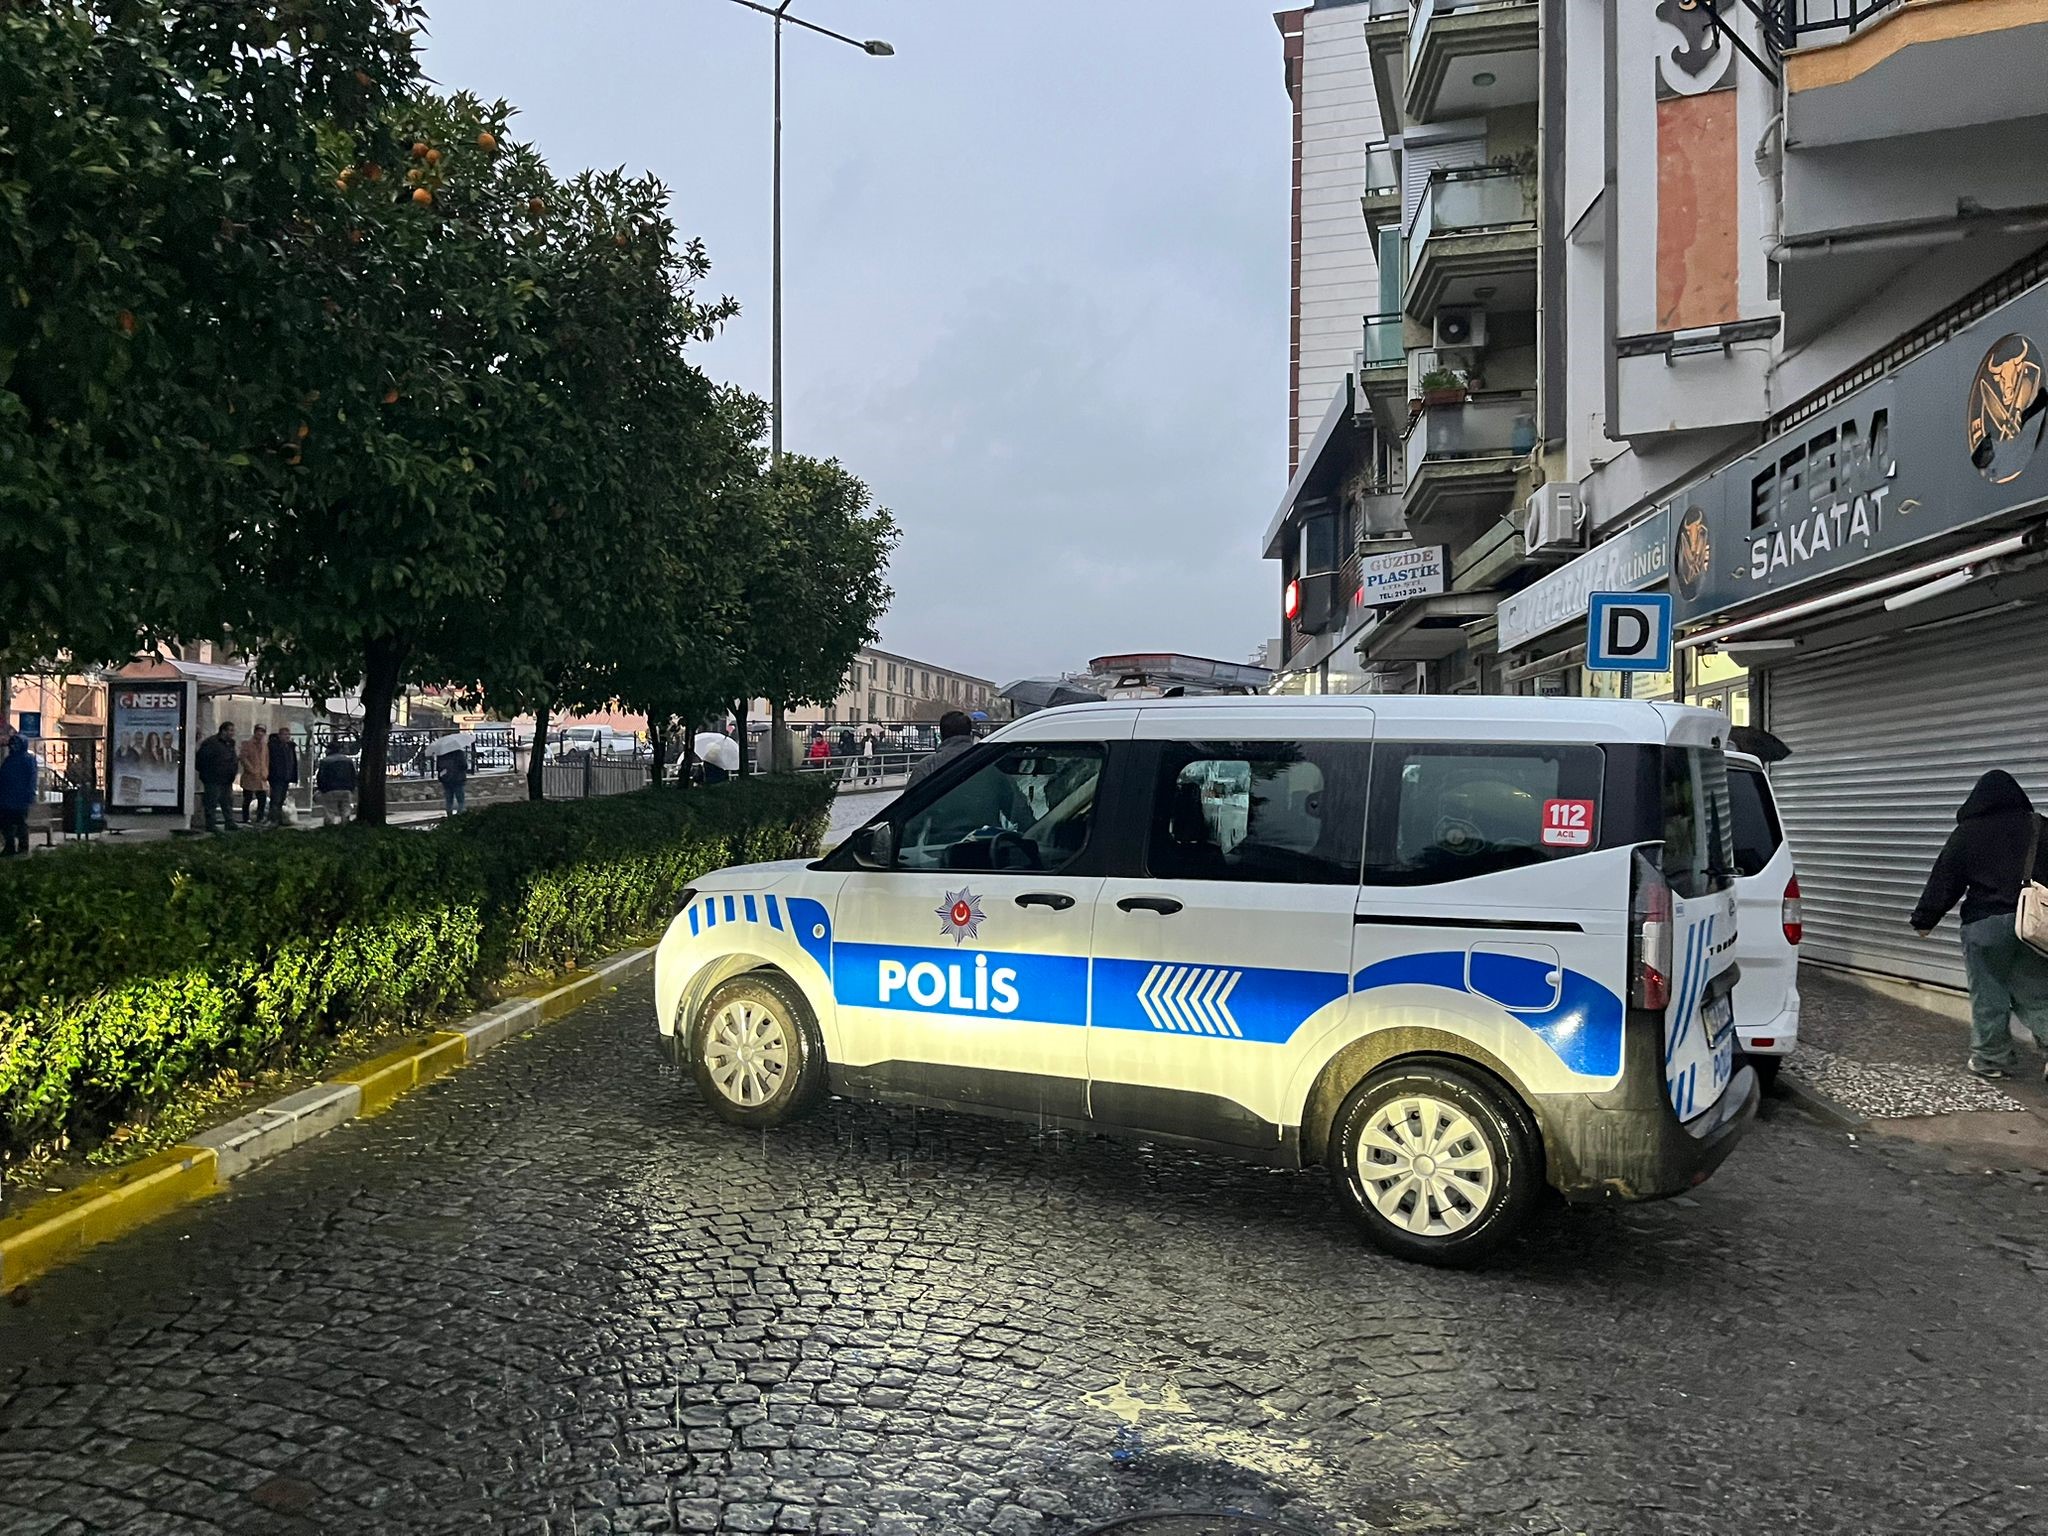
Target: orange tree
{"x": 632, "y": 450}
{"x": 156, "y": 156}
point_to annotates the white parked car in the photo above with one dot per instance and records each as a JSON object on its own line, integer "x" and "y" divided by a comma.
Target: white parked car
{"x": 1768, "y": 920}
{"x": 1454, "y": 948}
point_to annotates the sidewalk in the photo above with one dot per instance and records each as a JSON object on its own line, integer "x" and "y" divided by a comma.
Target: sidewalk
{"x": 1904, "y": 1066}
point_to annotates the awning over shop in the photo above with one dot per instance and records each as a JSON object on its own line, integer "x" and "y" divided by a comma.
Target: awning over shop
{"x": 1427, "y": 629}
{"x": 1323, "y": 463}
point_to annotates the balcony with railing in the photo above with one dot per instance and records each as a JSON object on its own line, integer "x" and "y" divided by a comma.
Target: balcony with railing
{"x": 1790, "y": 24}
{"x": 1380, "y": 196}
{"x": 1464, "y": 456}
{"x": 1913, "y": 133}
{"x": 1466, "y": 57}
{"x": 1382, "y": 372}
{"x": 1472, "y": 227}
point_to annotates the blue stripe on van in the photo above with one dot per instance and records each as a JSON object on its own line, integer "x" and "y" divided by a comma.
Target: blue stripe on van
{"x": 774, "y": 906}
{"x": 1583, "y": 1028}
{"x": 753, "y": 914}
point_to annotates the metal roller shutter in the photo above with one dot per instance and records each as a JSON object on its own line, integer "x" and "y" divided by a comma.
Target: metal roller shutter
{"x": 1886, "y": 741}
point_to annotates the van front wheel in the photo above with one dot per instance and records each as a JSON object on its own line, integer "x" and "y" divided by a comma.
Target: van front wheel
{"x": 756, "y": 1053}
{"x": 1438, "y": 1166}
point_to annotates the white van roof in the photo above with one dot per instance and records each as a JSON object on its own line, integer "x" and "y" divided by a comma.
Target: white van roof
{"x": 1471, "y": 717}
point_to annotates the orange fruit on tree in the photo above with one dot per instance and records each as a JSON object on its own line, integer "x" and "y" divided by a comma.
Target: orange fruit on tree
{"x": 422, "y": 196}
{"x": 536, "y": 207}
{"x": 391, "y": 395}
{"x": 126, "y": 320}
{"x": 374, "y": 171}
{"x": 487, "y": 140}
{"x": 304, "y": 431}
{"x": 433, "y": 157}
{"x": 419, "y": 149}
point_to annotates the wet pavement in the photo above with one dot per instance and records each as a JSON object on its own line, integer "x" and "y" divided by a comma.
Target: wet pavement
{"x": 550, "y": 1293}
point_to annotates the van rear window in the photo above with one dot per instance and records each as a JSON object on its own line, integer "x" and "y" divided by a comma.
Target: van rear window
{"x": 1757, "y": 834}
{"x": 1699, "y": 818}
{"x": 1451, "y": 811}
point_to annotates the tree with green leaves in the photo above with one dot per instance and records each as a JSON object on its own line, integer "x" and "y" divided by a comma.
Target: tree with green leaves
{"x": 817, "y": 588}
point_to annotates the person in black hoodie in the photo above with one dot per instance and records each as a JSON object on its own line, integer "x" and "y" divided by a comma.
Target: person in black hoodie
{"x": 1983, "y": 864}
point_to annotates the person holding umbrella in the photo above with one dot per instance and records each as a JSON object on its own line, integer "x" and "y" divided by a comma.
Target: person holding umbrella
{"x": 450, "y": 756}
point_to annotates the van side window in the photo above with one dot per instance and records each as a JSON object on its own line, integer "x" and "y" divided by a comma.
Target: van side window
{"x": 1284, "y": 812}
{"x": 1451, "y": 811}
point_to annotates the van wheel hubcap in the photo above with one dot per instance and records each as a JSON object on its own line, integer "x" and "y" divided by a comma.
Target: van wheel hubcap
{"x": 1425, "y": 1166}
{"x": 747, "y": 1053}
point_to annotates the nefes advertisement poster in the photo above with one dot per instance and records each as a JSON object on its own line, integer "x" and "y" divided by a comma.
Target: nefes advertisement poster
{"x": 146, "y": 748}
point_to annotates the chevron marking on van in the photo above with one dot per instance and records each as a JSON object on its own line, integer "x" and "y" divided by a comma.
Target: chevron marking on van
{"x": 1192, "y": 999}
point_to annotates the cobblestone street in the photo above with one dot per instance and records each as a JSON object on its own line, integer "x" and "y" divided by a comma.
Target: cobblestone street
{"x": 551, "y": 1293}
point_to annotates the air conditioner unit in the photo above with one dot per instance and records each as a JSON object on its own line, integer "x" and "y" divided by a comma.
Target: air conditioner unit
{"x": 1551, "y": 523}
{"x": 1461, "y": 329}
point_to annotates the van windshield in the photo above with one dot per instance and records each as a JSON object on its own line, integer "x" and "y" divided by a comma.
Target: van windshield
{"x": 1699, "y": 820}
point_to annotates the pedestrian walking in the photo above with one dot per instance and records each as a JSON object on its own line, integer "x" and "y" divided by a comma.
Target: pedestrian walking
{"x": 218, "y": 765}
{"x": 283, "y": 754}
{"x": 17, "y": 794}
{"x": 1994, "y": 849}
{"x": 255, "y": 778}
{"x": 453, "y": 771}
{"x": 870, "y": 759}
{"x": 956, "y": 735}
{"x": 820, "y": 751}
{"x": 334, "y": 786}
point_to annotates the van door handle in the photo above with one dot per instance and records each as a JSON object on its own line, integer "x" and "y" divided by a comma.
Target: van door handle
{"x": 1059, "y": 901}
{"x": 1165, "y": 906}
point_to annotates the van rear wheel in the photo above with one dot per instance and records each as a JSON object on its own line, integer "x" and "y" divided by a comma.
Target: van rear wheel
{"x": 1439, "y": 1166}
{"x": 756, "y": 1052}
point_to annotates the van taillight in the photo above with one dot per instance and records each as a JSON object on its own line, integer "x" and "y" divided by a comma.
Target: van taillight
{"x": 1794, "y": 916}
{"x": 1649, "y": 941}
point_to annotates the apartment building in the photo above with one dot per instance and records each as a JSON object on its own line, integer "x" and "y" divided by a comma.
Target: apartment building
{"x": 883, "y": 686}
{"x": 1744, "y": 303}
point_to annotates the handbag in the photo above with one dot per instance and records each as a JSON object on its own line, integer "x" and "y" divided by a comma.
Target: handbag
{"x": 2030, "y": 922}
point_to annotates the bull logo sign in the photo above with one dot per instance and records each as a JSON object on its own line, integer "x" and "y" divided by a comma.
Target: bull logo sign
{"x": 2008, "y": 402}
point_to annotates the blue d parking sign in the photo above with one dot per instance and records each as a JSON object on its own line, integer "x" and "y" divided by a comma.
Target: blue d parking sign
{"x": 1628, "y": 632}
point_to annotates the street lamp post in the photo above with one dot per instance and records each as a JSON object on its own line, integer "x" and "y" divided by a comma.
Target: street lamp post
{"x": 874, "y": 47}
{"x": 779, "y": 756}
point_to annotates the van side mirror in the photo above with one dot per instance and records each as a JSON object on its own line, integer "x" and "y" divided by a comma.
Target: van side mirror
{"x": 874, "y": 846}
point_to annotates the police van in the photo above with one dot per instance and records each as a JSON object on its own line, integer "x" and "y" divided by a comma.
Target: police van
{"x": 1455, "y": 948}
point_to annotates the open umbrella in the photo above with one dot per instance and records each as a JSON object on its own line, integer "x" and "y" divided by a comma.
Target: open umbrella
{"x": 1758, "y": 743}
{"x": 459, "y": 741}
{"x": 719, "y": 750}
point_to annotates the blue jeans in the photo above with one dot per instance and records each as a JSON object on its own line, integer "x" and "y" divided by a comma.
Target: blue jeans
{"x": 2006, "y": 978}
{"x": 454, "y": 796}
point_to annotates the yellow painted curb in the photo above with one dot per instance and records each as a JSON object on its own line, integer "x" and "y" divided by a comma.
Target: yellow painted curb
{"x": 53, "y": 1232}
{"x": 384, "y": 1079}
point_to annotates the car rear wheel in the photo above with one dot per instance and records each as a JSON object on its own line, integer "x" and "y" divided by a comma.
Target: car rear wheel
{"x": 1439, "y": 1166}
{"x": 756, "y": 1052}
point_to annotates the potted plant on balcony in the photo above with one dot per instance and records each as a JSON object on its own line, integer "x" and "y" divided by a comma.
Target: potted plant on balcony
{"x": 1443, "y": 386}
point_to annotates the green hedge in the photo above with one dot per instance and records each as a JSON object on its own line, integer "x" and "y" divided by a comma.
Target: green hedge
{"x": 125, "y": 972}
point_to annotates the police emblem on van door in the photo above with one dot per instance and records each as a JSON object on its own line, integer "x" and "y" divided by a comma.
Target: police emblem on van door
{"x": 960, "y": 916}
{"x": 2007, "y": 406}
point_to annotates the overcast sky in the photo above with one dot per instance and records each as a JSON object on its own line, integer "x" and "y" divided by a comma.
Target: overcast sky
{"x": 1035, "y": 278}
